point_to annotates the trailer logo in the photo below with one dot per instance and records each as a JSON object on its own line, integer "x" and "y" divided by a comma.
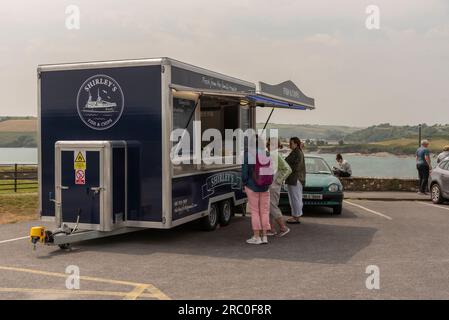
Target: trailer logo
{"x": 221, "y": 179}
{"x": 100, "y": 102}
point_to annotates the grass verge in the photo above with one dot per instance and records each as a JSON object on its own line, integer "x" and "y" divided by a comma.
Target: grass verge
{"x": 16, "y": 207}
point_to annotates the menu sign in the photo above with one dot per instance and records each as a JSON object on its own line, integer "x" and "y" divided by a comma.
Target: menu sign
{"x": 204, "y": 81}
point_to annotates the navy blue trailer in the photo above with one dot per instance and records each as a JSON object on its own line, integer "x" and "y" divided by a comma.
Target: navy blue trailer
{"x": 104, "y": 144}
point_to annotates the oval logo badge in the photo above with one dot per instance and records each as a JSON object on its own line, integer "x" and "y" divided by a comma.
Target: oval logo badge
{"x": 100, "y": 102}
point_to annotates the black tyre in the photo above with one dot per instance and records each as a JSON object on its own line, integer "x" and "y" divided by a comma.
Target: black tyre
{"x": 225, "y": 212}
{"x": 209, "y": 223}
{"x": 435, "y": 193}
{"x": 239, "y": 209}
{"x": 337, "y": 209}
{"x": 64, "y": 246}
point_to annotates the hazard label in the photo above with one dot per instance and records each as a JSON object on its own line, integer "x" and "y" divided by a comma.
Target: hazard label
{"x": 80, "y": 177}
{"x": 79, "y": 162}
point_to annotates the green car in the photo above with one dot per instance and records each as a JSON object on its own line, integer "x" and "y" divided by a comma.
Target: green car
{"x": 322, "y": 187}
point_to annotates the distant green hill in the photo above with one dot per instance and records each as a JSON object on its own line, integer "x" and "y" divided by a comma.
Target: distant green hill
{"x": 18, "y": 132}
{"x": 4, "y": 118}
{"x": 354, "y": 135}
{"x": 401, "y": 140}
{"x": 311, "y": 131}
{"x": 18, "y": 140}
{"x": 384, "y": 132}
{"x": 21, "y": 132}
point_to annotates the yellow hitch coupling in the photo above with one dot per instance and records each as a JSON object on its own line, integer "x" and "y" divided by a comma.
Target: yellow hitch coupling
{"x": 37, "y": 234}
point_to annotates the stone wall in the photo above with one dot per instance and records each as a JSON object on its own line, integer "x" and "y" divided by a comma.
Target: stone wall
{"x": 379, "y": 184}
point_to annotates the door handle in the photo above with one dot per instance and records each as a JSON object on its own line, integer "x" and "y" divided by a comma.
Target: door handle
{"x": 63, "y": 187}
{"x": 55, "y": 202}
{"x": 97, "y": 190}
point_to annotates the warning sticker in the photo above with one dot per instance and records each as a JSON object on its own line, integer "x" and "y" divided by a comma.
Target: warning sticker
{"x": 80, "y": 177}
{"x": 79, "y": 162}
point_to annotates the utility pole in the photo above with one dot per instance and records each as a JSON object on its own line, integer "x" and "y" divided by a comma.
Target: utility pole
{"x": 419, "y": 134}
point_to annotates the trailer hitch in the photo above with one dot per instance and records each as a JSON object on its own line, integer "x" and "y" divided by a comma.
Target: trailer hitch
{"x": 47, "y": 237}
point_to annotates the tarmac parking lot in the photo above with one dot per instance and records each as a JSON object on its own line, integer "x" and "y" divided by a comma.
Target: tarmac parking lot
{"x": 325, "y": 257}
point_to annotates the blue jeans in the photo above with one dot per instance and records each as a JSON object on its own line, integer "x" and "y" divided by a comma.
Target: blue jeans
{"x": 423, "y": 172}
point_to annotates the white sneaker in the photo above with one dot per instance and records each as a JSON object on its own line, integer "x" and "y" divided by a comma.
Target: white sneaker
{"x": 264, "y": 240}
{"x": 271, "y": 233}
{"x": 254, "y": 240}
{"x": 283, "y": 233}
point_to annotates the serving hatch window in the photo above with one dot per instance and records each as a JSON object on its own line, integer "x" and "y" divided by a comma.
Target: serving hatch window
{"x": 223, "y": 113}
{"x": 183, "y": 117}
{"x": 212, "y": 112}
{"x": 245, "y": 117}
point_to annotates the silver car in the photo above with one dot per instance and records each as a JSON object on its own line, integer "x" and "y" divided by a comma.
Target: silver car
{"x": 439, "y": 182}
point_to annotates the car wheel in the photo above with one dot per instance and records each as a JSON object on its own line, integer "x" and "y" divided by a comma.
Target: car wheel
{"x": 209, "y": 223}
{"x": 435, "y": 194}
{"x": 337, "y": 209}
{"x": 225, "y": 212}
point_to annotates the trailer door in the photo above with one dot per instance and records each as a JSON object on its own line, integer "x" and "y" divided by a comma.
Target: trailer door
{"x": 80, "y": 186}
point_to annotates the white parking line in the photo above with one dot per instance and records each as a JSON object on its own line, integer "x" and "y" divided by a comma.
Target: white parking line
{"x": 15, "y": 239}
{"x": 369, "y": 210}
{"x": 434, "y": 205}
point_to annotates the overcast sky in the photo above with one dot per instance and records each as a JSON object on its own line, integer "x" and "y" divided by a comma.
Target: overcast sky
{"x": 397, "y": 74}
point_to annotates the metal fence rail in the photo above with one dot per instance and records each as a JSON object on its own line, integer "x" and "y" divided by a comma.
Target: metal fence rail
{"x": 16, "y": 177}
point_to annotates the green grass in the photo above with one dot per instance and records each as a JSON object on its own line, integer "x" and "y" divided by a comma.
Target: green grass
{"x": 436, "y": 144}
{"x": 401, "y": 146}
{"x": 9, "y": 168}
{"x": 15, "y": 207}
{"x": 21, "y": 187}
{"x": 20, "y": 205}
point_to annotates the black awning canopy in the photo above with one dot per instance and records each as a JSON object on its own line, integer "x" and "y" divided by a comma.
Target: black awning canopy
{"x": 284, "y": 95}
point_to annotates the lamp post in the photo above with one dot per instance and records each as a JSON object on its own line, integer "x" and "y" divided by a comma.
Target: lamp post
{"x": 419, "y": 134}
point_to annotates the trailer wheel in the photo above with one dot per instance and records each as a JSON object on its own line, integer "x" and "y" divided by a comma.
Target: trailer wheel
{"x": 209, "y": 223}
{"x": 64, "y": 246}
{"x": 225, "y": 212}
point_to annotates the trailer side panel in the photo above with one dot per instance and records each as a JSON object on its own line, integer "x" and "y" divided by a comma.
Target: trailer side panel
{"x": 131, "y": 102}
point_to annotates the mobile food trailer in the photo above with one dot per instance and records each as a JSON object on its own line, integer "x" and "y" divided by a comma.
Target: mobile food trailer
{"x": 104, "y": 145}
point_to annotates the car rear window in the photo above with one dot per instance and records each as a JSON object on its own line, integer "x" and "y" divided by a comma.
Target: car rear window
{"x": 444, "y": 165}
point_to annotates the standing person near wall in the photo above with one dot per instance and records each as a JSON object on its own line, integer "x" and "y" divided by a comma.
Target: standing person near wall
{"x": 423, "y": 165}
{"x": 256, "y": 179}
{"x": 296, "y": 180}
{"x": 283, "y": 171}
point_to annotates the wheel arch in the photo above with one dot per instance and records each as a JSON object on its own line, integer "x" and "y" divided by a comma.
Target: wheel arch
{"x": 223, "y": 197}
